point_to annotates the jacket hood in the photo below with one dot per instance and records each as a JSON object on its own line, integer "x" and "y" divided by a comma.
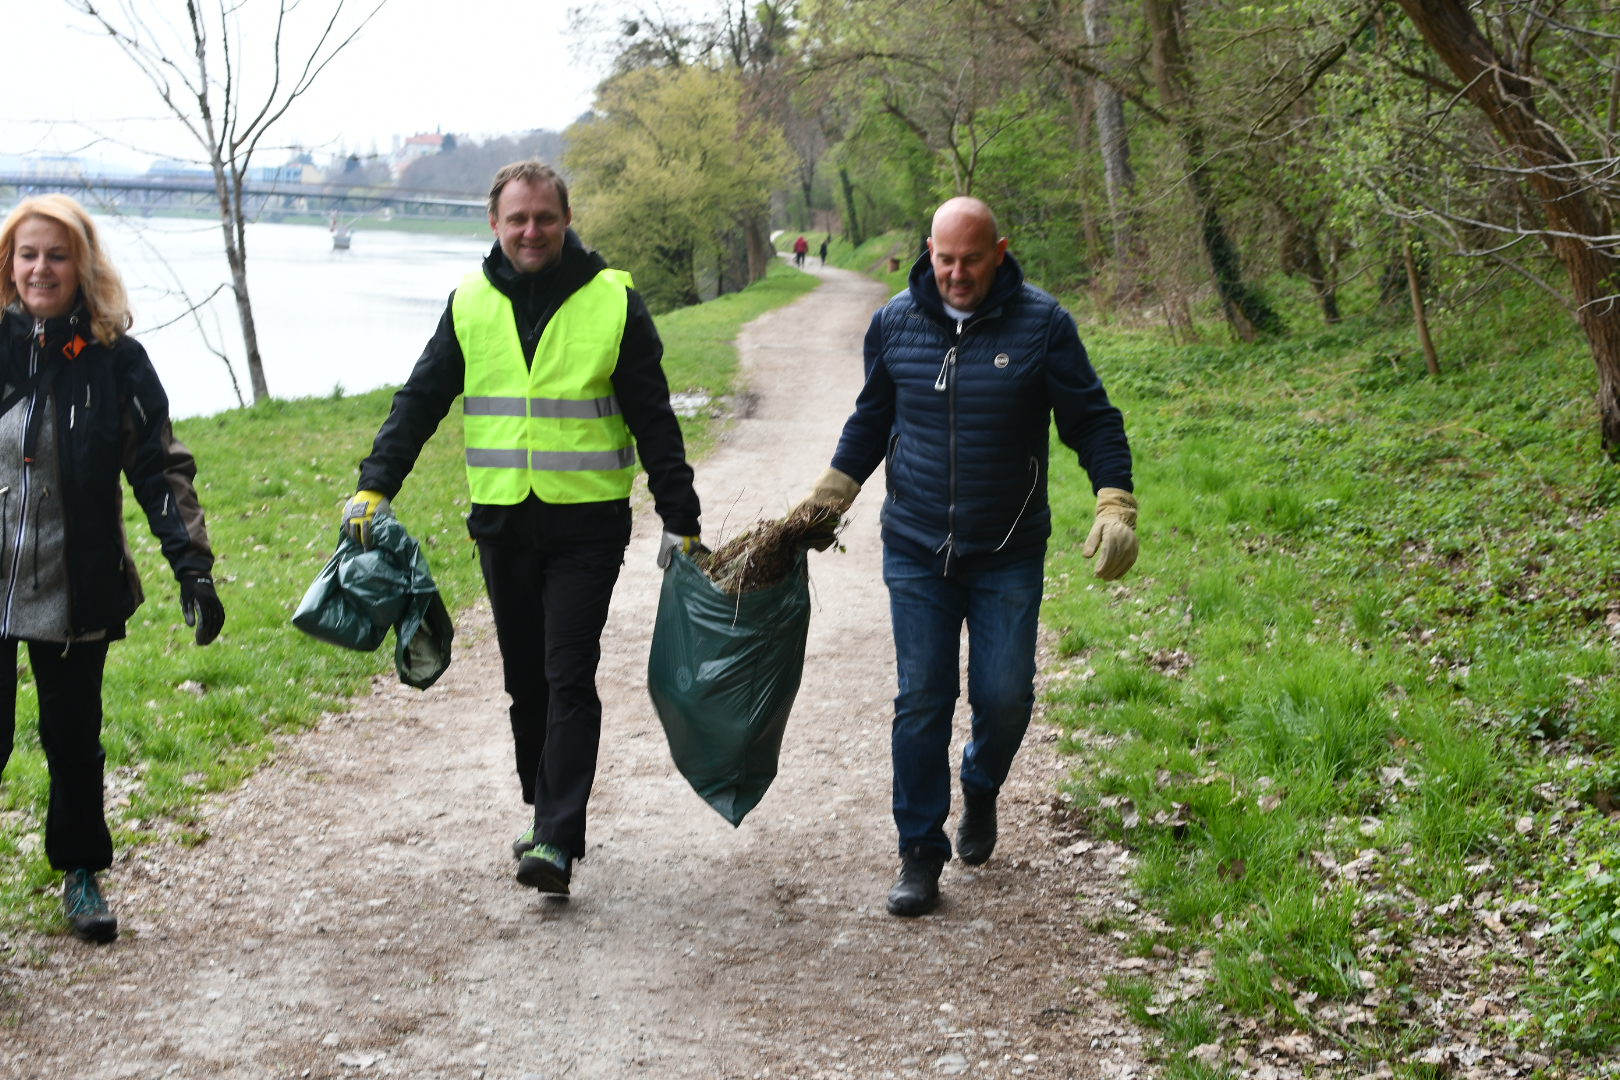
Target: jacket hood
{"x": 925, "y": 290}
{"x": 576, "y": 266}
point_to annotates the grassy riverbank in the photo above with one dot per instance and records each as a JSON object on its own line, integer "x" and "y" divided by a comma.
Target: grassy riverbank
{"x": 1355, "y": 709}
{"x": 181, "y": 720}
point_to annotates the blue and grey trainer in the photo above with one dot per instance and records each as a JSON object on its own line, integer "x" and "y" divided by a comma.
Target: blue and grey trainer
{"x": 86, "y": 911}
{"x": 521, "y": 846}
{"x": 546, "y": 867}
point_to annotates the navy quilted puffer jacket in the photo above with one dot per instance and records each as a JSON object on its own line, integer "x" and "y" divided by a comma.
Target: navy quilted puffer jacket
{"x": 960, "y": 414}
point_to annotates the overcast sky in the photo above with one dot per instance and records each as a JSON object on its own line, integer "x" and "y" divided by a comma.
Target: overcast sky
{"x": 469, "y": 67}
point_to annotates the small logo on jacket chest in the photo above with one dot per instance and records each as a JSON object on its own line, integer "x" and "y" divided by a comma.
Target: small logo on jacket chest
{"x": 1002, "y": 360}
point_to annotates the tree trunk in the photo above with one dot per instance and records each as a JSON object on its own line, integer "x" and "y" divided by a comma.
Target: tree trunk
{"x": 1119, "y": 177}
{"x": 1420, "y": 316}
{"x": 1246, "y": 311}
{"x": 1302, "y": 255}
{"x": 228, "y": 188}
{"x": 757, "y": 238}
{"x": 852, "y": 226}
{"x": 1081, "y": 105}
{"x": 1574, "y": 220}
{"x": 807, "y": 180}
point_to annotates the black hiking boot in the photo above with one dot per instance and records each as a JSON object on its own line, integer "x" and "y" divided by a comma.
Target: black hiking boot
{"x": 546, "y": 867}
{"x": 917, "y": 891}
{"x": 976, "y": 831}
{"x": 86, "y": 911}
{"x": 522, "y": 845}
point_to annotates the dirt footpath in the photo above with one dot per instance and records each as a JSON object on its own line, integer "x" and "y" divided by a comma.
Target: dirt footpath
{"x": 353, "y": 913}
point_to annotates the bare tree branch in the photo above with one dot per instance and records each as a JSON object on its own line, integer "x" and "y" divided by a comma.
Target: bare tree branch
{"x": 211, "y": 110}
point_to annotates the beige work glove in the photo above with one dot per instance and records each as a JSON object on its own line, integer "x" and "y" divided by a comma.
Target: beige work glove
{"x": 834, "y": 491}
{"x": 1113, "y": 534}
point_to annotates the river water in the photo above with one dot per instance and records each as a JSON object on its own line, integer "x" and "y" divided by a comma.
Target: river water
{"x": 327, "y": 320}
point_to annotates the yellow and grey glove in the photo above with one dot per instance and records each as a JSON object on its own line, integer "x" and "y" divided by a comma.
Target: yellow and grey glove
{"x": 359, "y": 513}
{"x": 831, "y": 498}
{"x": 1113, "y": 533}
{"x": 690, "y": 546}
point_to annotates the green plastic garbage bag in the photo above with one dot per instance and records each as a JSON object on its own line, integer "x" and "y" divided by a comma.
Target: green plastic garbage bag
{"x": 360, "y": 595}
{"x": 723, "y": 673}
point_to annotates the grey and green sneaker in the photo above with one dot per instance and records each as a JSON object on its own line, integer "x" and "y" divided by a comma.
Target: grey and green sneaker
{"x": 521, "y": 846}
{"x": 86, "y": 911}
{"x": 546, "y": 867}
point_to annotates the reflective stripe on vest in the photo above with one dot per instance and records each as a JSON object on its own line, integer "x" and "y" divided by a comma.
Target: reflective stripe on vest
{"x": 552, "y": 427}
{"x": 551, "y": 408}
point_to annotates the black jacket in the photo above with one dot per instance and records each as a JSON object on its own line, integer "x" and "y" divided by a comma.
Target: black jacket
{"x": 960, "y": 414}
{"x": 638, "y": 383}
{"x": 111, "y": 416}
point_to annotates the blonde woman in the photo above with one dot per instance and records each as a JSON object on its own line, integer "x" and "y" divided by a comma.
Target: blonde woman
{"x": 79, "y": 404}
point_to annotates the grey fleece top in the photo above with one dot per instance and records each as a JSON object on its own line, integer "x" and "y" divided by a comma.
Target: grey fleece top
{"x": 33, "y": 570}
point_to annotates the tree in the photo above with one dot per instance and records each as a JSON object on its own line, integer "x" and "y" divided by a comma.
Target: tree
{"x": 1119, "y": 176}
{"x": 1246, "y": 311}
{"x": 199, "y": 73}
{"x": 1570, "y": 193}
{"x": 667, "y": 170}
{"x": 906, "y": 57}
{"x": 743, "y": 38}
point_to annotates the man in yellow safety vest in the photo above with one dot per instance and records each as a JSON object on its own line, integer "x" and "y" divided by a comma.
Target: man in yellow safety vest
{"x": 559, "y": 362}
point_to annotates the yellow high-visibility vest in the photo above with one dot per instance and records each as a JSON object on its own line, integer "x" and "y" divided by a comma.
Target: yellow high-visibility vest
{"x": 553, "y": 426}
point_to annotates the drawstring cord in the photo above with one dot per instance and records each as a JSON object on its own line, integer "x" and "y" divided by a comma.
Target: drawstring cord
{"x": 944, "y": 367}
{"x": 1035, "y": 467}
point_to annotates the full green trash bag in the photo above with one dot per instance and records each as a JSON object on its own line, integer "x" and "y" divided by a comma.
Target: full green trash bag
{"x": 360, "y": 595}
{"x": 723, "y": 673}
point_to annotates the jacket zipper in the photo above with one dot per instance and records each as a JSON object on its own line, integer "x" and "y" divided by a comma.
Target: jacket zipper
{"x": 950, "y": 412}
{"x": 13, "y": 565}
{"x": 947, "y": 384}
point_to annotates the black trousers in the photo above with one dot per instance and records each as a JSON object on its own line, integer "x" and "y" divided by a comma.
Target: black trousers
{"x": 550, "y": 606}
{"x": 68, "y": 681}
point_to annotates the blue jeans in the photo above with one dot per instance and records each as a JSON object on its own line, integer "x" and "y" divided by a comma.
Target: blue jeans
{"x": 1001, "y": 605}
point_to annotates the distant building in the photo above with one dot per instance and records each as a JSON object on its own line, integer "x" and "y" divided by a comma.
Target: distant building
{"x": 413, "y": 148}
{"x": 52, "y": 166}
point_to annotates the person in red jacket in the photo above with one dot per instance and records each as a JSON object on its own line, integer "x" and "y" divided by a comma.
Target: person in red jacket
{"x": 801, "y": 247}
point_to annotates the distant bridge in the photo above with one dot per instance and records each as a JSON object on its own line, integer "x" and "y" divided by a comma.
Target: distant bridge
{"x": 260, "y": 198}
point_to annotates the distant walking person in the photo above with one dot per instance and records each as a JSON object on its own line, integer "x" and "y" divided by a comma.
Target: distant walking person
{"x": 561, "y": 367}
{"x": 824, "y": 242}
{"x": 81, "y": 404}
{"x": 964, "y": 372}
{"x": 801, "y": 247}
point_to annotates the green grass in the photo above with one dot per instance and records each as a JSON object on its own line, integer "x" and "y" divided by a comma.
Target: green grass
{"x": 1371, "y": 614}
{"x": 182, "y": 720}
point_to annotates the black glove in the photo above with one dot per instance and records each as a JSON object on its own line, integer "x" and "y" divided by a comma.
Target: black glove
{"x": 199, "y": 603}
